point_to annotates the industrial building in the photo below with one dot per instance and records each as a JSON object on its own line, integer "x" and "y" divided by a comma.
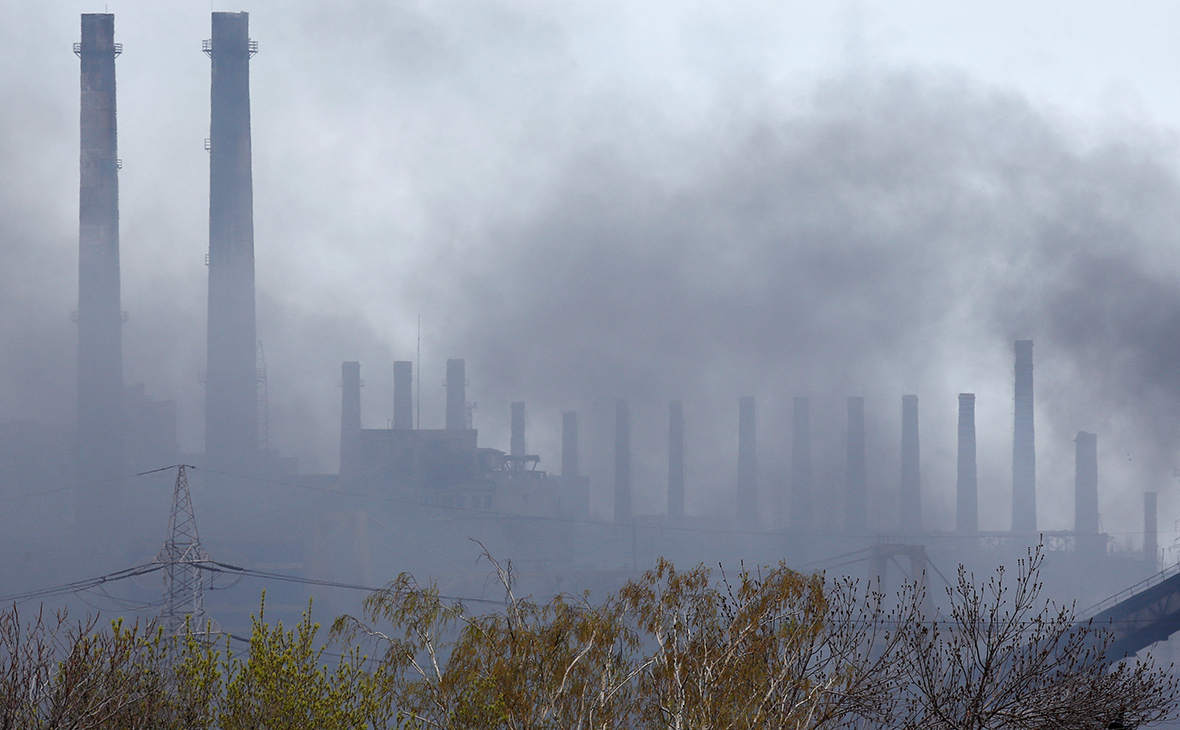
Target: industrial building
{"x": 441, "y": 486}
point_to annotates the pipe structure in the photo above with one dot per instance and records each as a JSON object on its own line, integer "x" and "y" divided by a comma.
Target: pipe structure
{"x": 1085, "y": 520}
{"x": 569, "y": 444}
{"x": 801, "y": 497}
{"x": 747, "y": 471}
{"x": 456, "y": 395}
{"x": 855, "y": 520}
{"x": 622, "y": 463}
{"x": 1151, "y": 550}
{"x": 231, "y": 382}
{"x": 101, "y": 451}
{"x": 517, "y": 446}
{"x": 403, "y": 395}
{"x": 676, "y": 460}
{"x": 1024, "y": 455}
{"x": 350, "y": 418}
{"x": 967, "y": 486}
{"x": 911, "y": 484}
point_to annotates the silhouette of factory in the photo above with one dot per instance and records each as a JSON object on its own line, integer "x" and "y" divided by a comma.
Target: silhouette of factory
{"x": 435, "y": 488}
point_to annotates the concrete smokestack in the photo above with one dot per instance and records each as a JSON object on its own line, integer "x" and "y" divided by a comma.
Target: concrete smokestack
{"x": 747, "y": 471}
{"x": 911, "y": 485}
{"x": 569, "y": 444}
{"x": 967, "y": 489}
{"x": 517, "y": 446}
{"x": 855, "y": 518}
{"x": 1086, "y": 484}
{"x": 676, "y": 460}
{"x": 1024, "y": 455}
{"x": 231, "y": 386}
{"x": 801, "y": 465}
{"x": 403, "y": 395}
{"x": 101, "y": 449}
{"x": 456, "y": 395}
{"x": 622, "y": 463}
{"x": 1151, "y": 548}
{"x": 350, "y": 418}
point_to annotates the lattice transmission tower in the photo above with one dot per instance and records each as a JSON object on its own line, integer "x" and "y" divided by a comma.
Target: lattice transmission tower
{"x": 182, "y": 555}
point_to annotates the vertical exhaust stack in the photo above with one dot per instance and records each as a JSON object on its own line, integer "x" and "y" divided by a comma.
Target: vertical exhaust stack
{"x": 350, "y": 418}
{"x": 231, "y": 386}
{"x": 967, "y": 488}
{"x": 101, "y": 446}
{"x": 1085, "y": 519}
{"x": 456, "y": 395}
{"x": 801, "y": 465}
{"x": 855, "y": 518}
{"x": 747, "y": 471}
{"x": 676, "y": 460}
{"x": 1151, "y": 548}
{"x": 622, "y": 463}
{"x": 569, "y": 444}
{"x": 403, "y": 395}
{"x": 1024, "y": 455}
{"x": 517, "y": 446}
{"x": 911, "y": 484}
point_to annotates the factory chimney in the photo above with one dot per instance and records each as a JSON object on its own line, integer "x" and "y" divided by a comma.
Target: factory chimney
{"x": 517, "y": 447}
{"x": 350, "y": 418}
{"x": 676, "y": 460}
{"x": 403, "y": 398}
{"x": 747, "y": 471}
{"x": 967, "y": 490}
{"x": 622, "y": 463}
{"x": 569, "y": 444}
{"x": 1151, "y": 549}
{"x": 231, "y": 385}
{"x": 911, "y": 486}
{"x": 1024, "y": 456}
{"x": 801, "y": 465}
{"x": 100, "y": 448}
{"x": 1086, "y": 484}
{"x": 456, "y": 395}
{"x": 855, "y": 518}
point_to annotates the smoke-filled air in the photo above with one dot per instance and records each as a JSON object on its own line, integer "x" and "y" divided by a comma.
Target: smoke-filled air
{"x": 588, "y": 203}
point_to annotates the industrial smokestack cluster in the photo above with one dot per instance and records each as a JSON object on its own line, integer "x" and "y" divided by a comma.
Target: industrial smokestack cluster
{"x": 911, "y": 485}
{"x": 857, "y": 509}
{"x": 403, "y": 395}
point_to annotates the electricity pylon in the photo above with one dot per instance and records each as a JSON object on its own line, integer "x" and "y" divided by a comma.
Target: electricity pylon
{"x": 182, "y": 554}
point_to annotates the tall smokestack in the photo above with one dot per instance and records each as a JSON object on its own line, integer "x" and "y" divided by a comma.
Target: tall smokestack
{"x": 231, "y": 386}
{"x": 622, "y": 463}
{"x": 676, "y": 460}
{"x": 911, "y": 485}
{"x": 1151, "y": 548}
{"x": 801, "y": 465}
{"x": 517, "y": 446}
{"x": 403, "y": 395}
{"x": 967, "y": 490}
{"x": 350, "y": 418}
{"x": 1024, "y": 455}
{"x": 100, "y": 320}
{"x": 855, "y": 518}
{"x": 569, "y": 444}
{"x": 456, "y": 395}
{"x": 1085, "y": 519}
{"x": 747, "y": 471}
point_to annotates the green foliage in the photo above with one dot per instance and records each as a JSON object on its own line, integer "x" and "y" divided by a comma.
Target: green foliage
{"x": 772, "y": 648}
{"x": 282, "y": 684}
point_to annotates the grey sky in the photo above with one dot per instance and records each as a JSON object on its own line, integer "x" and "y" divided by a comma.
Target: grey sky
{"x": 594, "y": 200}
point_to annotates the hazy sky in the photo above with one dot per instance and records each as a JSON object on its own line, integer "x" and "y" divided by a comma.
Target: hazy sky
{"x": 653, "y": 200}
